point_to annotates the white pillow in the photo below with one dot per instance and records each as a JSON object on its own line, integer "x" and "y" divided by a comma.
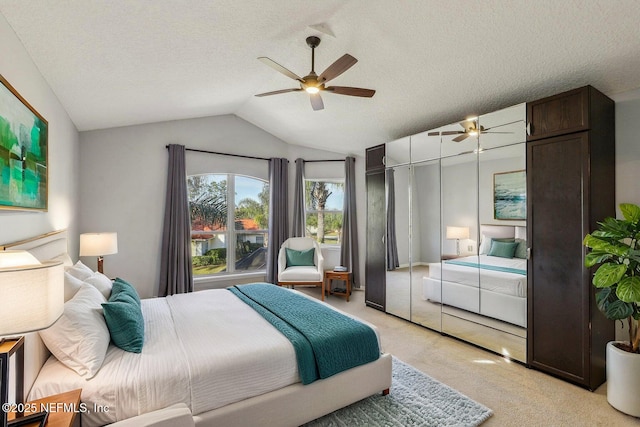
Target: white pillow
{"x": 485, "y": 244}
{"x": 79, "y": 271}
{"x": 71, "y": 286}
{"x": 101, "y": 282}
{"x": 80, "y": 337}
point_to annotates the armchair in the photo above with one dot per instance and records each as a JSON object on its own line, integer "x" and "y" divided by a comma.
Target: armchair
{"x": 301, "y": 274}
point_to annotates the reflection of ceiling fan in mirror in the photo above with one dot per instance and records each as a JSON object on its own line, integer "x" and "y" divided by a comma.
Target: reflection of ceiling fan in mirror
{"x": 470, "y": 128}
{"x": 313, "y": 84}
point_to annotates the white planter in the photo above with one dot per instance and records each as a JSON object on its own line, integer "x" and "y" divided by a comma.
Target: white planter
{"x": 623, "y": 380}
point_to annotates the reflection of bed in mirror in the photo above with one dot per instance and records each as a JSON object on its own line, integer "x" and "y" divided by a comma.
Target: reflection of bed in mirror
{"x": 489, "y": 285}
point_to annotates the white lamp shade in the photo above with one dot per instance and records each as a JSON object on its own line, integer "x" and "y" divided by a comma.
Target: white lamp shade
{"x": 98, "y": 244}
{"x": 457, "y": 232}
{"x": 31, "y": 295}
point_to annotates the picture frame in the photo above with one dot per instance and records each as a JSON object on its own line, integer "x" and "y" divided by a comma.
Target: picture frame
{"x": 510, "y": 195}
{"x": 24, "y": 183}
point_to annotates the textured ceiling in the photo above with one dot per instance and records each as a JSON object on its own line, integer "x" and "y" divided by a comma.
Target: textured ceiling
{"x": 124, "y": 62}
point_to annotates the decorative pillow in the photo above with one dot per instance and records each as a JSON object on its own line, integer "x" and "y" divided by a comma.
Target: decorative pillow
{"x": 79, "y": 271}
{"x": 125, "y": 322}
{"x": 502, "y": 249}
{"x": 485, "y": 243}
{"x": 101, "y": 282}
{"x": 71, "y": 286}
{"x": 80, "y": 338}
{"x": 521, "y": 249}
{"x": 122, "y": 286}
{"x": 300, "y": 258}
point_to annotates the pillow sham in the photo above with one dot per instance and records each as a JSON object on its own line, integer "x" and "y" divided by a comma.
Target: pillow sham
{"x": 502, "y": 249}
{"x": 101, "y": 282}
{"x": 80, "y": 337}
{"x": 521, "y": 249}
{"x": 125, "y": 322}
{"x": 300, "y": 258}
{"x": 79, "y": 270}
{"x": 71, "y": 286}
{"x": 122, "y": 286}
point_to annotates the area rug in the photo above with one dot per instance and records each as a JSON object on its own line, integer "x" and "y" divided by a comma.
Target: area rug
{"x": 415, "y": 400}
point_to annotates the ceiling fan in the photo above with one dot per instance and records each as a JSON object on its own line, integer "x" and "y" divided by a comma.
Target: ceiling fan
{"x": 313, "y": 84}
{"x": 470, "y": 128}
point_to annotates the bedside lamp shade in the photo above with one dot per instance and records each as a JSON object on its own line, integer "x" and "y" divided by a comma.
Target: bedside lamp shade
{"x": 31, "y": 293}
{"x": 98, "y": 244}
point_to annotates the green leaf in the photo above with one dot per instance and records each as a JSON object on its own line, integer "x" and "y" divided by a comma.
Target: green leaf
{"x": 630, "y": 212}
{"x": 604, "y": 297}
{"x": 597, "y": 244}
{"x": 629, "y": 289}
{"x": 618, "y": 310}
{"x": 596, "y": 257}
{"x": 608, "y": 275}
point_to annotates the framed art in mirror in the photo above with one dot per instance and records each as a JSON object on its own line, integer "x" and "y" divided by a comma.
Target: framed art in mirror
{"x": 510, "y": 195}
{"x": 23, "y": 153}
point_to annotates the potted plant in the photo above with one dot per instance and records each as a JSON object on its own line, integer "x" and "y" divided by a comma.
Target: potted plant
{"x": 615, "y": 246}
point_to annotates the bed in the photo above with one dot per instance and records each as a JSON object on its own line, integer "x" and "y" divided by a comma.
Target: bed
{"x": 231, "y": 368}
{"x": 493, "y": 286}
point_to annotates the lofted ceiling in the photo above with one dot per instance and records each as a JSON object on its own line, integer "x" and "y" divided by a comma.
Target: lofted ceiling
{"x": 431, "y": 62}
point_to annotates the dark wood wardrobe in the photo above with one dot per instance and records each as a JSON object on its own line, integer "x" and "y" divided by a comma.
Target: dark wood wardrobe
{"x": 374, "y": 290}
{"x": 570, "y": 187}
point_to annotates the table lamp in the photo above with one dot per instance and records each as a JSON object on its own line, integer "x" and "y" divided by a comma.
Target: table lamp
{"x": 31, "y": 298}
{"x": 98, "y": 244}
{"x": 457, "y": 233}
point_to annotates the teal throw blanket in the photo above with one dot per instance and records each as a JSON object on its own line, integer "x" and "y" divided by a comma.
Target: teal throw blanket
{"x": 326, "y": 342}
{"x": 488, "y": 267}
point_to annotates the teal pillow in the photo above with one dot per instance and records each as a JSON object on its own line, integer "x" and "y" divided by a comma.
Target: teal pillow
{"x": 123, "y": 316}
{"x": 300, "y": 258}
{"x": 521, "y": 249}
{"x": 122, "y": 286}
{"x": 502, "y": 249}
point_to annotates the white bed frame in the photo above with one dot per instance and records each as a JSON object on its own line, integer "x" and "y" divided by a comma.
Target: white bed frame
{"x": 289, "y": 406}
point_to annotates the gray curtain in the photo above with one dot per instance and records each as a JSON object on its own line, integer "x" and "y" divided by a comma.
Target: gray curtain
{"x": 278, "y": 207}
{"x": 392, "y": 244}
{"x": 175, "y": 260}
{"x": 349, "y": 249}
{"x": 298, "y": 226}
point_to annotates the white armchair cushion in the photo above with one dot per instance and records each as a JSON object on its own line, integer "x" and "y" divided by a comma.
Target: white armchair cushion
{"x": 301, "y": 274}
{"x": 177, "y": 415}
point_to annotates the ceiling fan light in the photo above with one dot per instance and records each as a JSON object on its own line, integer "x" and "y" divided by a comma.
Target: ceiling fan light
{"x": 312, "y": 89}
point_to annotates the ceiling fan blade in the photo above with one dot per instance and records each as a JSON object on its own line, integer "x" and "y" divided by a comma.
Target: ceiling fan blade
{"x": 351, "y": 91}
{"x": 451, "y": 132}
{"x": 279, "y": 68}
{"x": 341, "y": 65}
{"x": 461, "y": 137}
{"x": 433, "y": 134}
{"x": 276, "y": 92}
{"x": 316, "y": 102}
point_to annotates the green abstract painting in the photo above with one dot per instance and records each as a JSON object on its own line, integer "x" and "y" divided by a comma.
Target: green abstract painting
{"x": 23, "y": 153}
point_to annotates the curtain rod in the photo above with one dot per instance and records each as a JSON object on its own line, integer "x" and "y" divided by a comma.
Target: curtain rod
{"x": 328, "y": 160}
{"x": 225, "y": 154}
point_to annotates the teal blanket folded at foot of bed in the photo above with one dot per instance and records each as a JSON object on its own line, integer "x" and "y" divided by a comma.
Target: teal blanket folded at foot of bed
{"x": 326, "y": 342}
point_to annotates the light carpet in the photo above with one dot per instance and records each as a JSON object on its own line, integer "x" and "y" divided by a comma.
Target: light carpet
{"x": 415, "y": 400}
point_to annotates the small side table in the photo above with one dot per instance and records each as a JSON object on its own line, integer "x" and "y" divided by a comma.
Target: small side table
{"x": 330, "y": 275}
{"x": 63, "y": 408}
{"x": 449, "y": 256}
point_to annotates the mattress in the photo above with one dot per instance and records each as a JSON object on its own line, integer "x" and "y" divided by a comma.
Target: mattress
{"x": 206, "y": 349}
{"x": 504, "y": 282}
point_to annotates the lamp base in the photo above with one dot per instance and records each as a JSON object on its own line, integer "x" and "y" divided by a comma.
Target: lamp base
{"x": 100, "y": 264}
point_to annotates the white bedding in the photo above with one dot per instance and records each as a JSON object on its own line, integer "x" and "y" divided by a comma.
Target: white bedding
{"x": 495, "y": 281}
{"x": 215, "y": 351}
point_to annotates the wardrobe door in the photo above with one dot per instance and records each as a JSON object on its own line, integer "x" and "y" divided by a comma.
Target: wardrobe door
{"x": 559, "y": 284}
{"x": 374, "y": 291}
{"x": 561, "y": 114}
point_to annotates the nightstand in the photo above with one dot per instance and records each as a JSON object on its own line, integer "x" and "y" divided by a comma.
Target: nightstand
{"x": 330, "y": 275}
{"x": 63, "y": 409}
{"x": 449, "y": 256}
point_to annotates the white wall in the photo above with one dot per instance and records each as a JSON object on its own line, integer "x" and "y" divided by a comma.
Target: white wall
{"x": 124, "y": 173}
{"x": 19, "y": 70}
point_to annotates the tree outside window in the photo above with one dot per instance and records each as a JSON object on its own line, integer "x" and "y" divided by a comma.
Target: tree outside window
{"x": 323, "y": 211}
{"x": 210, "y": 197}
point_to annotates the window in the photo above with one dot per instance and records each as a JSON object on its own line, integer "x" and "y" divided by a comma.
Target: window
{"x": 210, "y": 197}
{"x": 323, "y": 211}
